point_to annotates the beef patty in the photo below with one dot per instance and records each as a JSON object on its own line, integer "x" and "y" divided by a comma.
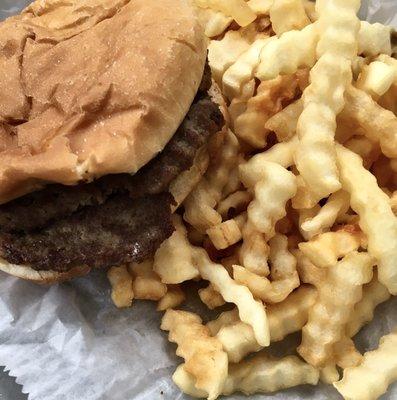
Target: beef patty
{"x": 115, "y": 219}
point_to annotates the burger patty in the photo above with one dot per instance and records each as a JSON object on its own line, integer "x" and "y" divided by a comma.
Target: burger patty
{"x": 115, "y": 219}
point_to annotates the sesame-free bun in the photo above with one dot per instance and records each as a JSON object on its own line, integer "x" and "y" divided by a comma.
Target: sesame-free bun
{"x": 93, "y": 87}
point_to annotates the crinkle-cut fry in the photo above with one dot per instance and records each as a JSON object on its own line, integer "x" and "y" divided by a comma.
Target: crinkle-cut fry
{"x": 121, "y": 282}
{"x": 378, "y": 124}
{"x": 263, "y": 374}
{"x": 251, "y": 311}
{"x": 378, "y": 370}
{"x": 374, "y": 293}
{"x": 173, "y": 261}
{"x": 337, "y": 295}
{"x": 376, "y": 216}
{"x": 368, "y": 150}
{"x": 228, "y": 232}
{"x": 223, "y": 53}
{"x": 346, "y": 354}
{"x": 146, "y": 284}
{"x": 214, "y": 22}
{"x": 383, "y": 173}
{"x": 269, "y": 99}
{"x": 308, "y": 272}
{"x": 304, "y": 197}
{"x": 260, "y": 7}
{"x": 233, "y": 185}
{"x": 173, "y": 298}
{"x": 211, "y": 297}
{"x": 283, "y": 262}
{"x": 283, "y": 124}
{"x": 284, "y": 318}
{"x": 376, "y": 79}
{"x": 254, "y": 251}
{"x": 242, "y": 70}
{"x": 274, "y": 186}
{"x": 288, "y": 15}
{"x": 323, "y": 99}
{"x": 324, "y": 250}
{"x": 259, "y": 374}
{"x": 235, "y": 202}
{"x": 374, "y": 39}
{"x": 337, "y": 204}
{"x": 204, "y": 358}
{"x": 237, "y": 9}
{"x": 300, "y": 46}
{"x": 329, "y": 374}
{"x": 264, "y": 289}
{"x": 200, "y": 204}
{"x": 310, "y": 9}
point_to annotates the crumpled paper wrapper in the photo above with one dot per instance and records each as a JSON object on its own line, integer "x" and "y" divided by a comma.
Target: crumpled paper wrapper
{"x": 69, "y": 341}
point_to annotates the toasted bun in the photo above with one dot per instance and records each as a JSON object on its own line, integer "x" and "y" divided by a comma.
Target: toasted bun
{"x": 101, "y": 88}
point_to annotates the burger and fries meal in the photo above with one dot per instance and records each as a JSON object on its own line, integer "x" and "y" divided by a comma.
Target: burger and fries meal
{"x": 251, "y": 145}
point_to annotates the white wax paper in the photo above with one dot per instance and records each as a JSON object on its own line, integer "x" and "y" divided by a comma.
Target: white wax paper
{"x": 69, "y": 342}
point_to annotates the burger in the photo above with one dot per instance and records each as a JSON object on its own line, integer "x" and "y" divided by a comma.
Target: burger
{"x": 105, "y": 115}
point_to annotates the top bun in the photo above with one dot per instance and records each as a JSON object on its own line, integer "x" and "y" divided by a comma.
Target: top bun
{"x": 93, "y": 87}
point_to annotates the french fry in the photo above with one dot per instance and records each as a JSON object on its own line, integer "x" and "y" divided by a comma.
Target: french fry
{"x": 254, "y": 251}
{"x": 273, "y": 187}
{"x": 338, "y": 294}
{"x": 237, "y": 9}
{"x": 308, "y": 272}
{"x": 337, "y": 204}
{"x": 121, "y": 282}
{"x": 378, "y": 370}
{"x": 260, "y": 374}
{"x": 204, "y": 358}
{"x": 368, "y": 150}
{"x": 374, "y": 39}
{"x": 260, "y": 7}
{"x": 300, "y": 47}
{"x": 346, "y": 354}
{"x": 378, "y": 124}
{"x": 214, "y": 22}
{"x": 235, "y": 202}
{"x": 376, "y": 216}
{"x": 227, "y": 233}
{"x": 286, "y": 317}
{"x": 329, "y": 374}
{"x": 173, "y": 298}
{"x": 146, "y": 284}
{"x": 173, "y": 261}
{"x": 288, "y": 15}
{"x": 269, "y": 99}
{"x": 223, "y": 53}
{"x": 242, "y": 70}
{"x": 211, "y": 297}
{"x": 304, "y": 197}
{"x": 200, "y": 204}
{"x": 251, "y": 311}
{"x": 324, "y": 250}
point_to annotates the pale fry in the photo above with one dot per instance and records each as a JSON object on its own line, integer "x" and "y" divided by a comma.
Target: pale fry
{"x": 288, "y": 53}
{"x": 146, "y": 284}
{"x": 211, "y": 297}
{"x": 205, "y": 360}
{"x": 121, "y": 282}
{"x": 378, "y": 124}
{"x": 378, "y": 370}
{"x": 260, "y": 7}
{"x": 376, "y": 216}
{"x": 227, "y": 233}
{"x": 173, "y": 298}
{"x": 251, "y": 311}
{"x": 237, "y": 9}
{"x": 235, "y": 202}
{"x": 173, "y": 261}
{"x": 324, "y": 250}
{"x": 304, "y": 198}
{"x": 374, "y": 39}
{"x": 368, "y": 150}
{"x": 200, "y": 204}
{"x": 214, "y": 22}
{"x": 346, "y": 354}
{"x": 337, "y": 204}
{"x": 338, "y": 294}
{"x": 287, "y": 15}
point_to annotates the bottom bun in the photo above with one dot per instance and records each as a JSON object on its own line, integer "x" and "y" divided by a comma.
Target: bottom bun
{"x": 179, "y": 188}
{"x": 42, "y": 277}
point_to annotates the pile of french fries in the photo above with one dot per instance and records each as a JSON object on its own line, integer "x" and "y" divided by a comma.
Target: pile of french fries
{"x": 294, "y": 223}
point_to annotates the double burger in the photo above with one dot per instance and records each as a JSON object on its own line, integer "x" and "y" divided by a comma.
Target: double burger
{"x": 105, "y": 114}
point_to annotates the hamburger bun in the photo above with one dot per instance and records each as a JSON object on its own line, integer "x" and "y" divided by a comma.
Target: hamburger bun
{"x": 102, "y": 88}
